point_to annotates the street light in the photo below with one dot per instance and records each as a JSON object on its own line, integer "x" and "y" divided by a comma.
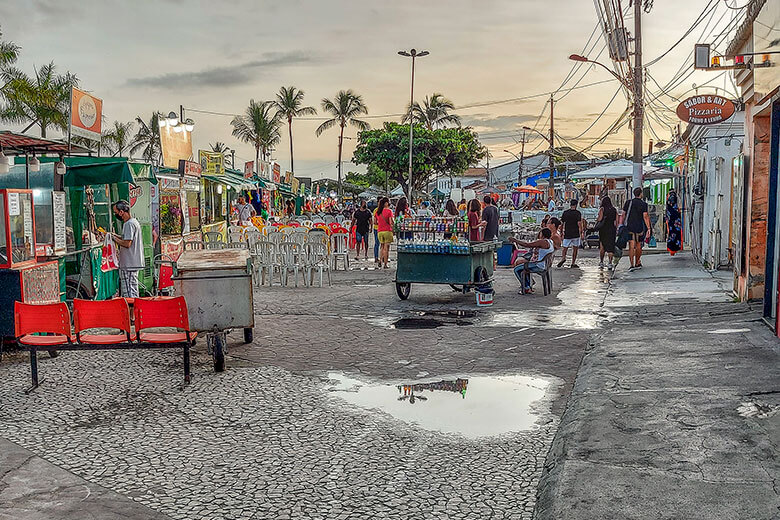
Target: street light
{"x": 519, "y": 167}
{"x": 412, "y": 54}
{"x": 583, "y": 59}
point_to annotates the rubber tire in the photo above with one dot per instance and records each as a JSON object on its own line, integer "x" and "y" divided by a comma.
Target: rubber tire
{"x": 219, "y": 354}
{"x": 403, "y": 290}
{"x": 249, "y": 334}
{"x": 480, "y": 275}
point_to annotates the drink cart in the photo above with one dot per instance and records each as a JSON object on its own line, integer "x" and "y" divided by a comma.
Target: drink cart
{"x": 437, "y": 250}
{"x": 217, "y": 285}
{"x": 22, "y": 277}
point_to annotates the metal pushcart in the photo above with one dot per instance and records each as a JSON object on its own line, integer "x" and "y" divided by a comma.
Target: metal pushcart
{"x": 217, "y": 285}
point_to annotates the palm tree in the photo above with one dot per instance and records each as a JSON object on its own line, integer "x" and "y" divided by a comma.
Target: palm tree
{"x": 41, "y": 100}
{"x": 118, "y": 139}
{"x": 224, "y": 149}
{"x": 9, "y": 52}
{"x": 344, "y": 108}
{"x": 259, "y": 126}
{"x": 288, "y": 104}
{"x": 147, "y": 139}
{"x": 434, "y": 112}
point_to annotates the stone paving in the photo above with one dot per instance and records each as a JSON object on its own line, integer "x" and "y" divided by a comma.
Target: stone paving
{"x": 266, "y": 439}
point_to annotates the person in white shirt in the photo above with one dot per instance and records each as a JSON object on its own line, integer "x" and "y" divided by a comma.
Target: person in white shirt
{"x": 245, "y": 212}
{"x": 551, "y": 205}
{"x": 424, "y": 211}
{"x": 131, "y": 249}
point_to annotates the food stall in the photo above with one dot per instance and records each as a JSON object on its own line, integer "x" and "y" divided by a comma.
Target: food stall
{"x": 180, "y": 207}
{"x": 436, "y": 250}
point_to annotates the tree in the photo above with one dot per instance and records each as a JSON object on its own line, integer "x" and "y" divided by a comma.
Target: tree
{"x": 9, "y": 53}
{"x": 289, "y": 104}
{"x": 147, "y": 139}
{"x": 448, "y": 151}
{"x": 374, "y": 176}
{"x": 118, "y": 138}
{"x": 225, "y": 150}
{"x": 345, "y": 108}
{"x": 259, "y": 126}
{"x": 42, "y": 100}
{"x": 434, "y": 113}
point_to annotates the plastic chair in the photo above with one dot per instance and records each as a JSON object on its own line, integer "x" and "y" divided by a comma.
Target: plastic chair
{"x": 264, "y": 261}
{"x": 194, "y": 245}
{"x": 545, "y": 275}
{"x": 107, "y": 314}
{"x": 276, "y": 237}
{"x": 235, "y": 236}
{"x": 210, "y": 237}
{"x": 237, "y": 245}
{"x": 339, "y": 248}
{"x": 333, "y": 226}
{"x": 252, "y": 235}
{"x": 308, "y": 224}
{"x": 347, "y": 224}
{"x": 42, "y": 318}
{"x": 289, "y": 257}
{"x": 299, "y": 237}
{"x": 235, "y": 229}
{"x": 317, "y": 259}
{"x": 170, "y": 312}
{"x": 287, "y": 230}
{"x": 162, "y": 274}
{"x": 215, "y": 245}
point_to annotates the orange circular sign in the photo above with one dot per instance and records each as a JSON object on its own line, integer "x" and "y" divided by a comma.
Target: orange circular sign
{"x": 705, "y": 109}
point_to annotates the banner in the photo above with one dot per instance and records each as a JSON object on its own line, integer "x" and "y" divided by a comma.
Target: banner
{"x": 190, "y": 168}
{"x": 264, "y": 170}
{"x": 212, "y": 163}
{"x": 86, "y": 114}
{"x": 288, "y": 176}
{"x": 175, "y": 146}
{"x": 249, "y": 169}
{"x": 294, "y": 185}
{"x": 277, "y": 173}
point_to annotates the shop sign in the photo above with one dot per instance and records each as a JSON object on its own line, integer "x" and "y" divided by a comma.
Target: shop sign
{"x": 705, "y": 110}
{"x": 212, "y": 163}
{"x": 277, "y": 176}
{"x": 136, "y": 192}
{"x": 264, "y": 170}
{"x": 168, "y": 183}
{"x": 190, "y": 184}
{"x": 288, "y": 177}
{"x": 58, "y": 208}
{"x": 85, "y": 114}
{"x": 249, "y": 169}
{"x": 191, "y": 168}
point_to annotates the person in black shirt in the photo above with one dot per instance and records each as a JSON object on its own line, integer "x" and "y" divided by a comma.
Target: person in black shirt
{"x": 573, "y": 232}
{"x": 362, "y": 222}
{"x": 637, "y": 221}
{"x": 490, "y": 217}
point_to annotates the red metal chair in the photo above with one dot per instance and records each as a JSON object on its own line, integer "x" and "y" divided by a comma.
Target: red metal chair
{"x": 108, "y": 314}
{"x": 159, "y": 312}
{"x": 46, "y": 318}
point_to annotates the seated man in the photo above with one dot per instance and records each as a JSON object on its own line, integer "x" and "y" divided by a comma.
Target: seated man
{"x": 534, "y": 260}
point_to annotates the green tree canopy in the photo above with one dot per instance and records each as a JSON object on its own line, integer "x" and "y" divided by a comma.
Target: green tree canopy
{"x": 445, "y": 151}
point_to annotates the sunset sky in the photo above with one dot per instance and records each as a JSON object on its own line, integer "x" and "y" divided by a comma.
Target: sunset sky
{"x": 143, "y": 56}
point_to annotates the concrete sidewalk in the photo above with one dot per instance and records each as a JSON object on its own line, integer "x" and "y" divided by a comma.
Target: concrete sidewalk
{"x": 674, "y": 412}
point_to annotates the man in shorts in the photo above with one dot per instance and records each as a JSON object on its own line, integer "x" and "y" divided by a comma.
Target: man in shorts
{"x": 637, "y": 221}
{"x": 362, "y": 222}
{"x": 573, "y": 232}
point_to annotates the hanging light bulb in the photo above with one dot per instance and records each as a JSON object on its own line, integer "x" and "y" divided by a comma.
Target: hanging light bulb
{"x": 178, "y": 128}
{"x": 60, "y": 169}
{"x": 189, "y": 124}
{"x": 219, "y": 189}
{"x": 172, "y": 119}
{"x": 161, "y": 121}
{"x": 34, "y": 164}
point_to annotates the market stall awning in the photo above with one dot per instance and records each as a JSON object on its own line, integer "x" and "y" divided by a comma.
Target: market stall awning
{"x": 86, "y": 171}
{"x": 234, "y": 181}
{"x": 527, "y": 189}
{"x": 623, "y": 169}
{"x": 21, "y": 144}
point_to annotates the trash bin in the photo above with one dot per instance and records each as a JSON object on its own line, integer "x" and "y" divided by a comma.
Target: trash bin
{"x": 505, "y": 254}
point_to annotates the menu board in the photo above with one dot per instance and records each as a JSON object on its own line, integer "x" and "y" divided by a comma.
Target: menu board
{"x": 58, "y": 209}
{"x": 13, "y": 204}
{"x": 28, "y": 225}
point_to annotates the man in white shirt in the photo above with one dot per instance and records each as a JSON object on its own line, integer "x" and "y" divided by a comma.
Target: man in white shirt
{"x": 551, "y": 205}
{"x": 131, "y": 249}
{"x": 424, "y": 211}
{"x": 245, "y": 212}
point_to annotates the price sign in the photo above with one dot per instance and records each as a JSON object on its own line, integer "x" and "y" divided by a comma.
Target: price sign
{"x": 58, "y": 210}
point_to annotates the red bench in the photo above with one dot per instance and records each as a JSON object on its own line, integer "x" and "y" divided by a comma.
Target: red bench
{"x": 32, "y": 320}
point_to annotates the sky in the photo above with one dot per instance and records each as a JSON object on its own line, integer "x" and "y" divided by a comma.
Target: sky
{"x": 144, "y": 56}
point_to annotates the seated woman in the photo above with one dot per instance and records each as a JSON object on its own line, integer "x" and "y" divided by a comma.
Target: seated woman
{"x": 534, "y": 260}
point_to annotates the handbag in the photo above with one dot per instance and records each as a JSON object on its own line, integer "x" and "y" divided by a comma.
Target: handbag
{"x": 623, "y": 234}
{"x": 598, "y": 225}
{"x": 110, "y": 259}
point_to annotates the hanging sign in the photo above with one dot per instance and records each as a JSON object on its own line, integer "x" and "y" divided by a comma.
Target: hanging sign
{"x": 277, "y": 173}
{"x": 705, "y": 109}
{"x": 249, "y": 169}
{"x": 191, "y": 168}
{"x": 86, "y": 114}
{"x": 13, "y": 204}
{"x": 212, "y": 163}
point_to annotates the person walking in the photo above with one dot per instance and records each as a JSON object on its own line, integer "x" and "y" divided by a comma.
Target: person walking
{"x": 475, "y": 223}
{"x": 131, "y": 249}
{"x": 572, "y": 233}
{"x": 607, "y": 231}
{"x": 362, "y": 222}
{"x": 376, "y": 231}
{"x": 490, "y": 218}
{"x": 673, "y": 224}
{"x": 384, "y": 218}
{"x": 637, "y": 222}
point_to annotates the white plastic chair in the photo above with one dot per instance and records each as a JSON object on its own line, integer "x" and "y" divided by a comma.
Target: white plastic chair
{"x": 347, "y": 224}
{"x": 264, "y": 261}
{"x": 308, "y": 224}
{"x": 213, "y": 236}
{"x": 317, "y": 259}
{"x": 235, "y": 229}
{"x": 252, "y": 235}
{"x": 276, "y": 237}
{"x": 236, "y": 245}
{"x": 299, "y": 237}
{"x": 339, "y": 248}
{"x": 289, "y": 257}
{"x": 235, "y": 236}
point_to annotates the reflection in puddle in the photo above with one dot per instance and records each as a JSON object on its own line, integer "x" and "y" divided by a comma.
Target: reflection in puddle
{"x": 481, "y": 406}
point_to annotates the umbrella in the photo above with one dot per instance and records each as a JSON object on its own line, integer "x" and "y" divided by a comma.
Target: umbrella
{"x": 527, "y": 189}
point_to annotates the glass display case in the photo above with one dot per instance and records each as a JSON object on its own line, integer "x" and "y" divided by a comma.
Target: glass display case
{"x": 17, "y": 228}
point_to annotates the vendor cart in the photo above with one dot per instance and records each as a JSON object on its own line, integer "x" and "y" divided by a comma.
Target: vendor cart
{"x": 217, "y": 285}
{"x": 436, "y": 250}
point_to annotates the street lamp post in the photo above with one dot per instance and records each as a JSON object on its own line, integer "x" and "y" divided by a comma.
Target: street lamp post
{"x": 551, "y": 158}
{"x": 519, "y": 166}
{"x": 413, "y": 53}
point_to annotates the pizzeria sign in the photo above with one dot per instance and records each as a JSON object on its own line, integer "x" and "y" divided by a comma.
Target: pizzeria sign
{"x": 705, "y": 110}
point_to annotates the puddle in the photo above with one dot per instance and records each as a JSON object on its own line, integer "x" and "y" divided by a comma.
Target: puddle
{"x": 426, "y": 323}
{"x": 474, "y": 407}
{"x": 727, "y": 331}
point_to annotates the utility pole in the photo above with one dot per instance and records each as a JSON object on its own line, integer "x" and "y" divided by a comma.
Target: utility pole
{"x": 637, "y": 84}
{"x": 552, "y": 148}
{"x": 412, "y": 54}
{"x": 487, "y": 170}
{"x": 520, "y": 166}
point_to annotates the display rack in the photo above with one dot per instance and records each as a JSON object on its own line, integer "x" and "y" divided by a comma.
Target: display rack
{"x": 439, "y": 235}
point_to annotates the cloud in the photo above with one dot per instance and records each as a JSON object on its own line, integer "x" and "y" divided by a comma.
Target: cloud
{"x": 226, "y": 76}
{"x": 496, "y": 123}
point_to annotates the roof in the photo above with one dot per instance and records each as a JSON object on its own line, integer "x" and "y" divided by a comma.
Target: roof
{"x": 744, "y": 31}
{"x": 20, "y": 143}
{"x": 623, "y": 169}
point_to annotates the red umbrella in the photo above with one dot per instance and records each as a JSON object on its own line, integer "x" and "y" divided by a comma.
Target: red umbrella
{"x": 527, "y": 189}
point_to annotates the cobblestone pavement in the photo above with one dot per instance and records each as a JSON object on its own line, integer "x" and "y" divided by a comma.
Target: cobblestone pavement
{"x": 266, "y": 439}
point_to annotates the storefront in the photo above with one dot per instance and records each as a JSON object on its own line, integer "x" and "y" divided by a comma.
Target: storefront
{"x": 180, "y": 210}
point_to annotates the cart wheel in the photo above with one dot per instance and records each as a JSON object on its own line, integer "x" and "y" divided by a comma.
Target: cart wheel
{"x": 219, "y": 354}
{"x": 249, "y": 334}
{"x": 403, "y": 290}
{"x": 480, "y": 275}
{"x": 53, "y": 353}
